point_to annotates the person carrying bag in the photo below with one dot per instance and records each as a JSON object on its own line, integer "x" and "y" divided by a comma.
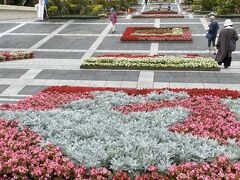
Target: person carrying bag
{"x": 226, "y": 44}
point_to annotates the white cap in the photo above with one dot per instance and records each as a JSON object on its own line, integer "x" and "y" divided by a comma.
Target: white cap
{"x": 112, "y": 9}
{"x": 228, "y": 22}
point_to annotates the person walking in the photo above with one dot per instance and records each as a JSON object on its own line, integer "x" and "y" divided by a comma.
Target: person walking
{"x": 169, "y": 6}
{"x": 160, "y": 6}
{"x": 226, "y": 44}
{"x": 212, "y": 33}
{"x": 113, "y": 19}
{"x": 144, "y": 3}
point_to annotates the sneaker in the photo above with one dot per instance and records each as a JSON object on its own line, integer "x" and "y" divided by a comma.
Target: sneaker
{"x": 225, "y": 67}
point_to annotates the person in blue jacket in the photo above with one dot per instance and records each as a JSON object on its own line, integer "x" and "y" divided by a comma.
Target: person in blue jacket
{"x": 213, "y": 28}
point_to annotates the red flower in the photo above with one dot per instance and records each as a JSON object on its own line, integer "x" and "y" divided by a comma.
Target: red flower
{"x": 128, "y": 35}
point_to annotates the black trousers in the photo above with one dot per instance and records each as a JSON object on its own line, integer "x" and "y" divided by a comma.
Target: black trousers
{"x": 226, "y": 62}
{"x": 212, "y": 41}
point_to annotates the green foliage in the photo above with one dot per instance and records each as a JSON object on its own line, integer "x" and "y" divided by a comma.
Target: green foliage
{"x": 220, "y": 6}
{"x": 225, "y": 7}
{"x": 97, "y": 9}
{"x": 53, "y": 10}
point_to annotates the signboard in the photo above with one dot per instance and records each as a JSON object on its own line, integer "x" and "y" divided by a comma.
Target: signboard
{"x": 40, "y": 12}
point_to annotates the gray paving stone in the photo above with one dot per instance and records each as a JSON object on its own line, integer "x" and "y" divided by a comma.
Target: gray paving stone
{"x": 194, "y": 79}
{"x": 84, "y": 29}
{"x": 101, "y": 75}
{"x": 137, "y": 20}
{"x": 69, "y": 42}
{"x": 168, "y": 20}
{"x": 114, "y": 43}
{"x": 29, "y": 90}
{"x": 91, "y": 20}
{"x": 59, "y": 55}
{"x": 3, "y": 88}
{"x": 12, "y": 97}
{"x": 19, "y": 41}
{"x": 56, "y": 20}
{"x": 8, "y": 102}
{"x": 208, "y": 75}
{"x": 37, "y": 28}
{"x": 12, "y": 73}
{"x": 52, "y": 74}
{"x": 210, "y": 80}
{"x": 198, "y": 43}
{"x": 229, "y": 81}
{"x": 131, "y": 76}
{"x": 116, "y": 75}
{"x": 77, "y": 75}
{"x": 122, "y": 27}
{"x": 178, "y": 79}
{"x": 6, "y": 26}
{"x": 161, "y": 77}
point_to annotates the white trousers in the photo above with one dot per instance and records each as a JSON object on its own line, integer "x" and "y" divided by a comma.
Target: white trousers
{"x": 113, "y": 27}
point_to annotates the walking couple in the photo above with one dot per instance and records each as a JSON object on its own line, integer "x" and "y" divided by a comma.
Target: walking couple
{"x": 226, "y": 42}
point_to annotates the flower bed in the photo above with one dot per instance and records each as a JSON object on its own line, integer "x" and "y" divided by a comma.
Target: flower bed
{"x": 110, "y": 133}
{"x": 160, "y": 12}
{"x": 151, "y": 62}
{"x": 157, "y": 34}
{"x": 158, "y": 16}
{"x": 15, "y": 55}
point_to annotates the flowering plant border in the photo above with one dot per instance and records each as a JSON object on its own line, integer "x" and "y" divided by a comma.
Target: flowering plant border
{"x": 24, "y": 158}
{"x": 158, "y": 16}
{"x": 151, "y": 62}
{"x": 128, "y": 35}
{"x": 160, "y": 12}
{"x": 15, "y": 55}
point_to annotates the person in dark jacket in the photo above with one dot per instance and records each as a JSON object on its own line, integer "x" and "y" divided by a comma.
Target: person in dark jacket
{"x": 227, "y": 37}
{"x": 169, "y": 6}
{"x": 212, "y": 30}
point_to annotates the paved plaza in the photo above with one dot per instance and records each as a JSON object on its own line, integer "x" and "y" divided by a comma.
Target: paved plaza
{"x": 60, "y": 46}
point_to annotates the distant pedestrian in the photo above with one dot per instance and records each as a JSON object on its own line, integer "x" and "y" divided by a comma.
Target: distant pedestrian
{"x": 169, "y": 6}
{"x": 226, "y": 44}
{"x": 113, "y": 19}
{"x": 212, "y": 34}
{"x": 144, "y": 4}
{"x": 160, "y": 6}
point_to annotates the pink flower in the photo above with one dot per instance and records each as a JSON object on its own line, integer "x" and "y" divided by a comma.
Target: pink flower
{"x": 152, "y": 168}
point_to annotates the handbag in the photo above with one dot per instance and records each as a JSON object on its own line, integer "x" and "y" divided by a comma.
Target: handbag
{"x": 209, "y": 36}
{"x": 231, "y": 42}
{"x": 232, "y": 45}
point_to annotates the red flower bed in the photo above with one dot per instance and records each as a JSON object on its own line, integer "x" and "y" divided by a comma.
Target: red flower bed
{"x": 56, "y": 96}
{"x": 158, "y": 16}
{"x": 160, "y": 12}
{"x": 22, "y": 156}
{"x": 15, "y": 55}
{"x": 208, "y": 118}
{"x": 128, "y": 35}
